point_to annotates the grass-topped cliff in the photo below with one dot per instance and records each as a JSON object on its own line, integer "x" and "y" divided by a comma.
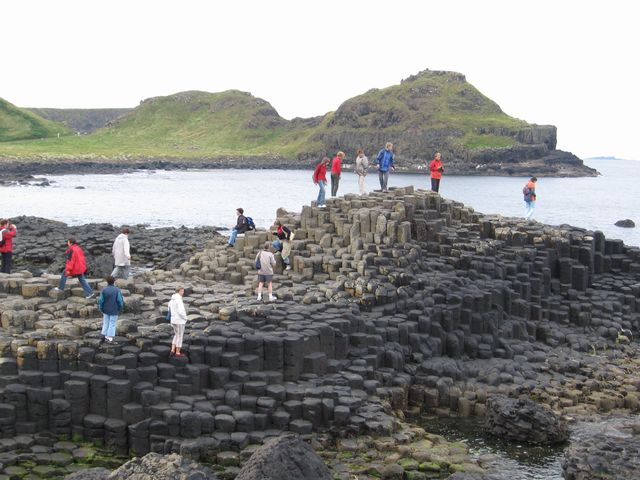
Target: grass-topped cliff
{"x": 20, "y": 124}
{"x": 424, "y": 113}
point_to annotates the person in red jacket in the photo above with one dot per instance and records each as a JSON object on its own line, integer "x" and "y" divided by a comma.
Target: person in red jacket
{"x": 75, "y": 266}
{"x": 9, "y": 231}
{"x": 336, "y": 170}
{"x": 320, "y": 179}
{"x": 436, "y": 169}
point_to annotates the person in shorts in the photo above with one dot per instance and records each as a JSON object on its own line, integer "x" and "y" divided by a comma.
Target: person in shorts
{"x": 265, "y": 272}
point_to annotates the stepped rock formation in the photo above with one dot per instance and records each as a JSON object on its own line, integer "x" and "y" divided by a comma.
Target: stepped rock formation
{"x": 398, "y": 302}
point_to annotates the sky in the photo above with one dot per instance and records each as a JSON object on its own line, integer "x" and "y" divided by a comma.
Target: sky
{"x": 573, "y": 64}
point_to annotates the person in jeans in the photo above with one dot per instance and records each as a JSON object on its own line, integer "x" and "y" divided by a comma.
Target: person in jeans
{"x": 110, "y": 303}
{"x": 436, "y": 169}
{"x": 178, "y": 321}
{"x": 336, "y": 171}
{"x": 362, "y": 164}
{"x": 75, "y": 266}
{"x": 283, "y": 242}
{"x": 241, "y": 226}
{"x": 529, "y": 192}
{"x": 121, "y": 255}
{"x": 7, "y": 232}
{"x": 384, "y": 163}
{"x": 320, "y": 179}
{"x": 265, "y": 272}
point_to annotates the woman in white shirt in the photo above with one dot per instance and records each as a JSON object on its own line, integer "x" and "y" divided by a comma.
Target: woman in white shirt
{"x": 178, "y": 321}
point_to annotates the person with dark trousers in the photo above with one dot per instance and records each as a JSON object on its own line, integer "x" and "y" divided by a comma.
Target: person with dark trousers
{"x": 241, "y": 226}
{"x": 336, "y": 171}
{"x": 436, "y": 169}
{"x": 282, "y": 243}
{"x": 7, "y": 232}
{"x": 110, "y": 303}
{"x": 384, "y": 163}
{"x": 320, "y": 179}
{"x": 75, "y": 266}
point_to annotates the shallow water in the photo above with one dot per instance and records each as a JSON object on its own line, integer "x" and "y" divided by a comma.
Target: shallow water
{"x": 194, "y": 198}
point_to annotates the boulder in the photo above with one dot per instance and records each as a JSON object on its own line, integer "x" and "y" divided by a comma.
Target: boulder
{"x": 154, "y": 466}
{"x": 286, "y": 456}
{"x": 522, "y": 420}
{"x": 625, "y": 223}
{"x": 90, "y": 474}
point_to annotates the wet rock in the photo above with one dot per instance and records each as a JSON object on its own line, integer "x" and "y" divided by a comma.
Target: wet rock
{"x": 284, "y": 457}
{"x": 627, "y": 223}
{"x": 522, "y": 420}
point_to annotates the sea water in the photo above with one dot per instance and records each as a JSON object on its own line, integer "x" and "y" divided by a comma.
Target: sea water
{"x": 210, "y": 197}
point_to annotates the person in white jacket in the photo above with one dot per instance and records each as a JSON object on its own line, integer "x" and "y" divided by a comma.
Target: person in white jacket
{"x": 121, "y": 255}
{"x": 178, "y": 321}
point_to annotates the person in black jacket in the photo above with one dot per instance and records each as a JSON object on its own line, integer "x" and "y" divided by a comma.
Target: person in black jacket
{"x": 283, "y": 242}
{"x": 241, "y": 226}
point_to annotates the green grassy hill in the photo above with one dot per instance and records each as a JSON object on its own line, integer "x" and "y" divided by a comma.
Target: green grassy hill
{"x": 20, "y": 124}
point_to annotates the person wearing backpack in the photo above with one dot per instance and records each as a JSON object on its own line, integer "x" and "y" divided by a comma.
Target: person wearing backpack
{"x": 7, "y": 232}
{"x": 265, "y": 261}
{"x": 320, "y": 179}
{"x": 336, "y": 171}
{"x": 282, "y": 243}
{"x": 110, "y": 303}
{"x": 75, "y": 266}
{"x": 384, "y": 163}
{"x": 242, "y": 225}
{"x": 436, "y": 169}
{"x": 362, "y": 164}
{"x": 529, "y": 192}
{"x": 178, "y": 321}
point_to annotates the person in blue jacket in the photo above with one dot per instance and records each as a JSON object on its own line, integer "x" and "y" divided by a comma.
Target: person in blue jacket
{"x": 110, "y": 303}
{"x": 384, "y": 163}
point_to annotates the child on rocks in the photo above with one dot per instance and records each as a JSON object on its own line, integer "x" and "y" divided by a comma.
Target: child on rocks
{"x": 110, "y": 303}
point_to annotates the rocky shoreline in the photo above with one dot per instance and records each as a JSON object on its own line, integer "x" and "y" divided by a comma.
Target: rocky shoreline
{"x": 397, "y": 305}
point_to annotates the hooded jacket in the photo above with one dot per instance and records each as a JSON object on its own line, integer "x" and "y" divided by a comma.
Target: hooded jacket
{"x": 435, "y": 167}
{"x": 384, "y": 160}
{"x": 120, "y": 251}
{"x": 7, "y": 235}
{"x": 76, "y": 263}
{"x": 178, "y": 312}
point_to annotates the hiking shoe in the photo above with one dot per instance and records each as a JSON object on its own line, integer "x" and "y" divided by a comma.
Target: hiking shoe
{"x": 259, "y": 298}
{"x": 90, "y": 296}
{"x": 272, "y": 298}
{"x": 288, "y": 267}
{"x": 180, "y": 354}
{"x": 229, "y": 245}
{"x": 56, "y": 289}
{"x": 109, "y": 339}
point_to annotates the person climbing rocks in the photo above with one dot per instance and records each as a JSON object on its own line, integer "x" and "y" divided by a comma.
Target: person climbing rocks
{"x": 362, "y": 165}
{"x": 265, "y": 272}
{"x": 178, "y": 321}
{"x": 110, "y": 303}
{"x": 384, "y": 163}
{"x": 7, "y": 233}
{"x": 121, "y": 255}
{"x": 320, "y": 179}
{"x": 336, "y": 171}
{"x": 283, "y": 242}
{"x": 436, "y": 169}
{"x": 242, "y": 225}
{"x": 529, "y": 192}
{"x": 75, "y": 266}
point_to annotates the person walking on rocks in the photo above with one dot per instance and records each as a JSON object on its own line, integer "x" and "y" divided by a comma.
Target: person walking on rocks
{"x": 529, "y": 192}
{"x": 121, "y": 255}
{"x": 336, "y": 171}
{"x": 283, "y": 242}
{"x": 178, "y": 321}
{"x": 242, "y": 225}
{"x": 110, "y": 303}
{"x": 320, "y": 179}
{"x": 75, "y": 266}
{"x": 384, "y": 163}
{"x": 265, "y": 261}
{"x": 7, "y": 232}
{"x": 362, "y": 164}
{"x": 436, "y": 169}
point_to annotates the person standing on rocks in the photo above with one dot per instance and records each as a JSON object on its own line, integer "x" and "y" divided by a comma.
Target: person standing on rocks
{"x": 362, "y": 164}
{"x": 384, "y": 162}
{"x": 75, "y": 266}
{"x": 283, "y": 242}
{"x": 178, "y": 321}
{"x": 529, "y": 192}
{"x": 320, "y": 179}
{"x": 110, "y": 303}
{"x": 121, "y": 255}
{"x": 265, "y": 272}
{"x": 7, "y": 232}
{"x": 242, "y": 225}
{"x": 336, "y": 171}
{"x": 436, "y": 169}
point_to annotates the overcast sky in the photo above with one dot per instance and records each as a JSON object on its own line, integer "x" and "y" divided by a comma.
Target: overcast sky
{"x": 573, "y": 64}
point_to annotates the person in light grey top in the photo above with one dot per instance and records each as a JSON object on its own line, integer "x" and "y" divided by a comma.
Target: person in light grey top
{"x": 362, "y": 164}
{"x": 265, "y": 272}
{"x": 121, "y": 255}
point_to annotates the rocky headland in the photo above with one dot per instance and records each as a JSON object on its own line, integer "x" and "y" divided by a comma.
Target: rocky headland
{"x": 397, "y": 304}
